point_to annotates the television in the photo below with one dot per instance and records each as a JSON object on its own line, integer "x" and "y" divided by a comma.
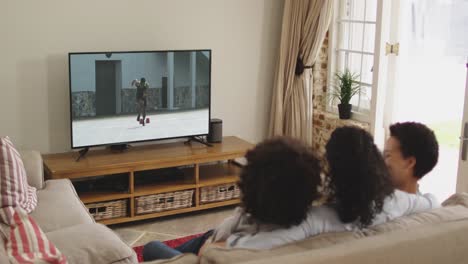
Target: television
{"x": 121, "y": 97}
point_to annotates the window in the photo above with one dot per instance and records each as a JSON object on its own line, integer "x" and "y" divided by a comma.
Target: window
{"x": 352, "y": 46}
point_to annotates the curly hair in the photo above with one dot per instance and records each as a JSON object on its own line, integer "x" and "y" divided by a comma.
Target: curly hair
{"x": 418, "y": 141}
{"x": 280, "y": 181}
{"x": 358, "y": 179}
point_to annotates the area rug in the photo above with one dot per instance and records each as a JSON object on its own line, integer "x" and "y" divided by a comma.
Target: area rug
{"x": 171, "y": 243}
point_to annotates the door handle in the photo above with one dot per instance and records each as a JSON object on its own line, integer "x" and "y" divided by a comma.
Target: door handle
{"x": 464, "y": 142}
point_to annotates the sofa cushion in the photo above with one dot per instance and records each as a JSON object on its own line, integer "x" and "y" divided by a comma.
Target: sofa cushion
{"x": 91, "y": 243}
{"x": 442, "y": 243}
{"x": 34, "y": 168}
{"x": 14, "y": 188}
{"x": 127, "y": 261}
{"x": 224, "y": 255}
{"x": 59, "y": 206}
{"x": 3, "y": 253}
{"x": 25, "y": 242}
{"x": 457, "y": 199}
{"x": 180, "y": 259}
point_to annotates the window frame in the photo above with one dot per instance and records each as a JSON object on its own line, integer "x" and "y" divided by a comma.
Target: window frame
{"x": 361, "y": 115}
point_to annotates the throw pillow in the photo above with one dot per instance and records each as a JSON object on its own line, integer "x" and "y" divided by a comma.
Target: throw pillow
{"x": 457, "y": 199}
{"x": 14, "y": 188}
{"x": 25, "y": 242}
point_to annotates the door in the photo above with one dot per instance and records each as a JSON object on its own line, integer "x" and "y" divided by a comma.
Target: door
{"x": 106, "y": 88}
{"x": 380, "y": 78}
{"x": 426, "y": 79}
{"x": 462, "y": 179}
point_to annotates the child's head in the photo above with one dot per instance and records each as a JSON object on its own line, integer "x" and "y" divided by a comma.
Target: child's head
{"x": 410, "y": 152}
{"x": 359, "y": 180}
{"x": 280, "y": 181}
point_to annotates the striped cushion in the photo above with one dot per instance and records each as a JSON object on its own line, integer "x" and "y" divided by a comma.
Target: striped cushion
{"x": 14, "y": 188}
{"x": 25, "y": 241}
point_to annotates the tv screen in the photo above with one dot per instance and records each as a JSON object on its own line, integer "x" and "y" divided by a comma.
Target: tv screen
{"x": 124, "y": 97}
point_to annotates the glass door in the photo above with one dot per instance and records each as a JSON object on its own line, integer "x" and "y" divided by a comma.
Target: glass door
{"x": 462, "y": 179}
{"x": 426, "y": 80}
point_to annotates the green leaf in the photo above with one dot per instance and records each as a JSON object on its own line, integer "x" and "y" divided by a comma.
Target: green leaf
{"x": 345, "y": 86}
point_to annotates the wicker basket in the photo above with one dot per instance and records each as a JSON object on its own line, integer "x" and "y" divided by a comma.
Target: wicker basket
{"x": 107, "y": 210}
{"x": 163, "y": 202}
{"x": 216, "y": 193}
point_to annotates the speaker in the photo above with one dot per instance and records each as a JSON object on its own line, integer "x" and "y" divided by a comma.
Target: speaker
{"x": 215, "y": 134}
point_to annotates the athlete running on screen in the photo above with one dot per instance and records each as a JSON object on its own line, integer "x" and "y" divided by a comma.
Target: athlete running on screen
{"x": 141, "y": 94}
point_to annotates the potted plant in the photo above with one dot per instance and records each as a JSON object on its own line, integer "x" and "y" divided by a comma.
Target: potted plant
{"x": 344, "y": 89}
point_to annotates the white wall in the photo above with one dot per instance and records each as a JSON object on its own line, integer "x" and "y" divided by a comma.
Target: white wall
{"x": 35, "y": 37}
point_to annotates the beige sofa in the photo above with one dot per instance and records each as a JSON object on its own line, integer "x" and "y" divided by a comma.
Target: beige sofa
{"x": 437, "y": 236}
{"x": 66, "y": 221}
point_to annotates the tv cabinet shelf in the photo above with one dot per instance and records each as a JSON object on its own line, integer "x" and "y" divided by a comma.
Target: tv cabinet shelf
{"x": 197, "y": 166}
{"x": 218, "y": 174}
{"x": 92, "y": 197}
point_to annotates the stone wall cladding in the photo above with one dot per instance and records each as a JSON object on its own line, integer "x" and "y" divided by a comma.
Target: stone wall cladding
{"x": 129, "y": 105}
{"x": 83, "y": 104}
{"x": 203, "y": 96}
{"x": 324, "y": 123}
{"x": 183, "y": 97}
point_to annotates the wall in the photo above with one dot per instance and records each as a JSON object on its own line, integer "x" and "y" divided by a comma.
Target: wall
{"x": 36, "y": 37}
{"x": 325, "y": 122}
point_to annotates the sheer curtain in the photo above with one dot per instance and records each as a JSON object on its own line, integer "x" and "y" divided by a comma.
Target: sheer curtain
{"x": 305, "y": 24}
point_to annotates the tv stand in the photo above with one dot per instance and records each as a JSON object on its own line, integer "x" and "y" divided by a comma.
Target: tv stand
{"x": 199, "y": 140}
{"x": 121, "y": 183}
{"x": 82, "y": 153}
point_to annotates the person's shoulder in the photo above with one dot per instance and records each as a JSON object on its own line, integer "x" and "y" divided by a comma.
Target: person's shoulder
{"x": 431, "y": 197}
{"x": 427, "y": 198}
{"x": 401, "y": 194}
{"x": 398, "y": 196}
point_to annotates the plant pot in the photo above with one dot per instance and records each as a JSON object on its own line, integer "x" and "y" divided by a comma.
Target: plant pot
{"x": 344, "y": 111}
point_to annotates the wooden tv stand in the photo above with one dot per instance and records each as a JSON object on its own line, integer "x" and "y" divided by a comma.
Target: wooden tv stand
{"x": 202, "y": 166}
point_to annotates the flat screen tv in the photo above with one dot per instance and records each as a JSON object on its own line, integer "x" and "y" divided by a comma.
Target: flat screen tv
{"x": 126, "y": 97}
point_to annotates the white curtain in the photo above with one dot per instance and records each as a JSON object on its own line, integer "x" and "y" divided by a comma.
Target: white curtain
{"x": 305, "y": 24}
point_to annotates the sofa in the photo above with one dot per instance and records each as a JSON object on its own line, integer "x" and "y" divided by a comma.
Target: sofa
{"x": 436, "y": 236}
{"x": 445, "y": 242}
{"x": 66, "y": 222}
